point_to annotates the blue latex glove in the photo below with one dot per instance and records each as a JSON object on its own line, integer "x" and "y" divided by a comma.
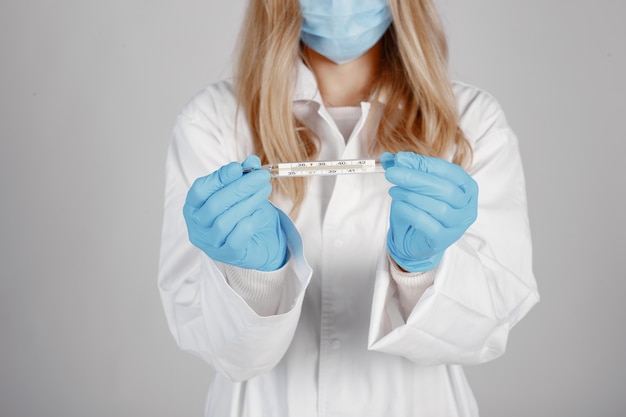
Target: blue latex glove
{"x": 230, "y": 219}
{"x": 433, "y": 203}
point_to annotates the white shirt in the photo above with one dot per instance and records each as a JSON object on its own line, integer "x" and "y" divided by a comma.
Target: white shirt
{"x": 345, "y": 119}
{"x": 335, "y": 341}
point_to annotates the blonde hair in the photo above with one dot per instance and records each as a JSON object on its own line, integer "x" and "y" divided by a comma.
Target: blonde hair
{"x": 419, "y": 112}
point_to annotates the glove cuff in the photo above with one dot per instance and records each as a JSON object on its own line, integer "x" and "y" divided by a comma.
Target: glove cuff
{"x": 417, "y": 265}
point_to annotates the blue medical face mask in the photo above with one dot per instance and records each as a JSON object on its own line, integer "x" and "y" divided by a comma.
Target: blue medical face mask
{"x": 343, "y": 30}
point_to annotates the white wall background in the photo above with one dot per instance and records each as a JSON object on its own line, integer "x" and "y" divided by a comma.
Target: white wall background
{"x": 89, "y": 91}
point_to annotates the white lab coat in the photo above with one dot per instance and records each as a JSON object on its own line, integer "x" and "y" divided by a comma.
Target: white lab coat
{"x": 338, "y": 343}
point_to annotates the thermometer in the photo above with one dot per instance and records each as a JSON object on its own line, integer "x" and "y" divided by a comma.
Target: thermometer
{"x": 315, "y": 168}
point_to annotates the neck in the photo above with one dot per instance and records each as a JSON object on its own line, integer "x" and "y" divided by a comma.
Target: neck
{"x": 348, "y": 84}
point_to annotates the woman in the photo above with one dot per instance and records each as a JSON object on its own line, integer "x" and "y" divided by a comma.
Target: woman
{"x": 355, "y": 295}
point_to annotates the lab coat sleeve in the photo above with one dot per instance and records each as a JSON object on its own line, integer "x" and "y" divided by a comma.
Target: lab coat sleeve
{"x": 205, "y": 315}
{"x": 484, "y": 283}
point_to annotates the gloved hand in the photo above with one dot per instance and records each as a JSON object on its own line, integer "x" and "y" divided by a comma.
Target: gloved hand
{"x": 230, "y": 219}
{"x": 433, "y": 204}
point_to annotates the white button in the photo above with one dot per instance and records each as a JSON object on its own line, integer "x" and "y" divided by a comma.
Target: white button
{"x": 338, "y": 243}
{"x": 336, "y": 344}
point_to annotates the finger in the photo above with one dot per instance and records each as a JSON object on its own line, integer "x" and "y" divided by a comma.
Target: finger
{"x": 263, "y": 237}
{"x": 237, "y": 191}
{"x": 252, "y": 161}
{"x": 426, "y": 236}
{"x": 224, "y": 224}
{"x": 262, "y": 218}
{"x": 204, "y": 187}
{"x": 415, "y": 217}
{"x": 428, "y": 184}
{"x": 440, "y": 168}
{"x": 387, "y": 159}
{"x": 246, "y": 234}
{"x": 243, "y": 238}
{"x": 436, "y": 166}
{"x": 441, "y": 211}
